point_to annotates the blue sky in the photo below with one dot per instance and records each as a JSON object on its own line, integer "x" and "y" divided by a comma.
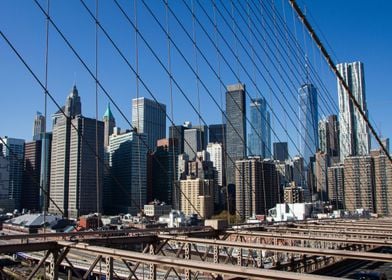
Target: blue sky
{"x": 355, "y": 30}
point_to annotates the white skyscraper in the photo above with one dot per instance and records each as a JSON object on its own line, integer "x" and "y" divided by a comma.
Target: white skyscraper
{"x": 149, "y": 117}
{"x": 215, "y": 153}
{"x": 354, "y": 133}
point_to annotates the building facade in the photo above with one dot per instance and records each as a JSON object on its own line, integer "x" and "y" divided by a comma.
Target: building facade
{"x": 281, "y": 151}
{"x": 235, "y": 128}
{"x": 354, "y": 135}
{"x": 149, "y": 117}
{"x": 197, "y": 197}
{"x": 308, "y": 117}
{"x": 39, "y": 126}
{"x": 260, "y": 130}
{"x": 31, "y": 176}
{"x": 128, "y": 165}
{"x": 359, "y": 183}
{"x": 109, "y": 124}
{"x": 13, "y": 150}
{"x": 336, "y": 185}
{"x": 257, "y": 187}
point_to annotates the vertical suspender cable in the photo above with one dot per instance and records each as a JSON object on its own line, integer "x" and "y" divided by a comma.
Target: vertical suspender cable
{"x": 96, "y": 119}
{"x": 43, "y": 138}
{"x": 174, "y": 193}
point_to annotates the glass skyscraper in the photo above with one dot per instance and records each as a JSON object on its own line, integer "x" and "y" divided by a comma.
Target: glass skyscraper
{"x": 260, "y": 130}
{"x": 149, "y": 117}
{"x": 235, "y": 128}
{"x": 308, "y": 117}
{"x": 354, "y": 134}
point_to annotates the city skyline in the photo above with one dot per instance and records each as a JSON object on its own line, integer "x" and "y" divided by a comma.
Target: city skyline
{"x": 60, "y": 85}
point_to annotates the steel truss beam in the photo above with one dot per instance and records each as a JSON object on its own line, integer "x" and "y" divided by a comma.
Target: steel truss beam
{"x": 193, "y": 265}
{"x": 292, "y": 236}
{"x": 360, "y": 255}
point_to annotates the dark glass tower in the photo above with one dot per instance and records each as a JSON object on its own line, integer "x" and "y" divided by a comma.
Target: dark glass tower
{"x": 235, "y": 128}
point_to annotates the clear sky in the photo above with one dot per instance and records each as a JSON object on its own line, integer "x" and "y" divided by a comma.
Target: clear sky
{"x": 355, "y": 30}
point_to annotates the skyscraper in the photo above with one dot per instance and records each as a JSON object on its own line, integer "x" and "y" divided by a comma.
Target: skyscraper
{"x": 45, "y": 170}
{"x": 164, "y": 169}
{"x": 177, "y": 132}
{"x": 382, "y": 183}
{"x": 14, "y": 152}
{"x": 256, "y": 187}
{"x": 329, "y": 136}
{"x": 128, "y": 164}
{"x": 109, "y": 123}
{"x": 84, "y": 178}
{"x": 39, "y": 126}
{"x": 73, "y": 173}
{"x": 149, "y": 117}
{"x": 235, "y": 128}
{"x": 354, "y": 134}
{"x": 336, "y": 185}
{"x": 308, "y": 117}
{"x": 359, "y": 183}
{"x": 193, "y": 138}
{"x": 5, "y": 203}
{"x": 73, "y": 105}
{"x": 260, "y": 130}
{"x": 215, "y": 153}
{"x": 31, "y": 176}
{"x": 281, "y": 151}
{"x": 217, "y": 133}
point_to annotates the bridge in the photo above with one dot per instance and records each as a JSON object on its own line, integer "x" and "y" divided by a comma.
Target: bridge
{"x": 210, "y": 44}
{"x": 262, "y": 252}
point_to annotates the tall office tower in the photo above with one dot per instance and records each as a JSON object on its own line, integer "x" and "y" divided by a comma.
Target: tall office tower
{"x": 39, "y": 126}
{"x": 354, "y": 134}
{"x": 298, "y": 170}
{"x": 285, "y": 173}
{"x": 73, "y": 105}
{"x": 13, "y": 150}
{"x": 235, "y": 128}
{"x": 359, "y": 183}
{"x": 31, "y": 176}
{"x": 215, "y": 155}
{"x": 336, "y": 185}
{"x": 204, "y": 135}
{"x": 182, "y": 169}
{"x": 5, "y": 203}
{"x": 217, "y": 133}
{"x": 73, "y": 172}
{"x": 149, "y": 117}
{"x": 321, "y": 175}
{"x": 177, "y": 132}
{"x": 382, "y": 183}
{"x": 281, "y": 151}
{"x": 308, "y": 117}
{"x": 45, "y": 170}
{"x": 256, "y": 187}
{"x": 128, "y": 163}
{"x": 85, "y": 181}
{"x": 193, "y": 142}
{"x": 60, "y": 151}
{"x": 109, "y": 123}
{"x": 197, "y": 197}
{"x": 328, "y": 129}
{"x": 260, "y": 130}
{"x": 164, "y": 170}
